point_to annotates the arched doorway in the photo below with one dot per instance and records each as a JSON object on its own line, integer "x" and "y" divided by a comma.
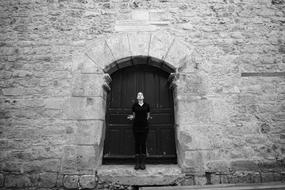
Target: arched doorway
{"x": 151, "y": 77}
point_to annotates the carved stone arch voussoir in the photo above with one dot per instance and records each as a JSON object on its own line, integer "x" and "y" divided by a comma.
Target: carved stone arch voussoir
{"x": 105, "y": 53}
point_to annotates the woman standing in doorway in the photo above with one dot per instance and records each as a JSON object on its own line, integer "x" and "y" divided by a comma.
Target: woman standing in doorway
{"x": 141, "y": 115}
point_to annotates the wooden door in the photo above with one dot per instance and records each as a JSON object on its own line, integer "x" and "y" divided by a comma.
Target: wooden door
{"x": 119, "y": 141}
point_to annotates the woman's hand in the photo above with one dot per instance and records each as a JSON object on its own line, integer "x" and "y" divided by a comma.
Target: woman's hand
{"x": 130, "y": 117}
{"x": 148, "y": 116}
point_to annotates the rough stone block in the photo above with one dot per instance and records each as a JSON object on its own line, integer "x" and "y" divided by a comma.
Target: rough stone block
{"x": 51, "y": 165}
{"x": 140, "y": 14}
{"x": 194, "y": 141}
{"x": 54, "y": 102}
{"x": 59, "y": 180}
{"x": 195, "y": 112}
{"x": 177, "y": 52}
{"x": 82, "y": 63}
{"x": 89, "y": 132}
{"x": 119, "y": 45}
{"x": 139, "y": 43}
{"x": 224, "y": 179}
{"x": 244, "y": 165}
{"x": 188, "y": 180}
{"x": 200, "y": 180}
{"x": 87, "y": 181}
{"x": 215, "y": 179}
{"x": 79, "y": 158}
{"x": 70, "y": 181}
{"x": 270, "y": 177}
{"x": 159, "y": 44}
{"x": 69, "y": 162}
{"x": 134, "y": 26}
{"x": 13, "y": 91}
{"x": 1, "y": 180}
{"x": 88, "y": 85}
{"x": 12, "y": 180}
{"x": 100, "y": 53}
{"x": 11, "y": 166}
{"x": 47, "y": 180}
{"x": 86, "y": 158}
{"x": 84, "y": 108}
{"x": 194, "y": 160}
{"x": 218, "y": 166}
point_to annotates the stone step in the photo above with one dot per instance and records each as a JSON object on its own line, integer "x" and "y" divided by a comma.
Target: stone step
{"x": 152, "y": 175}
{"x": 263, "y": 186}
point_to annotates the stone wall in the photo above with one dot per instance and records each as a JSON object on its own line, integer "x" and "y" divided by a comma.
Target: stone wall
{"x": 229, "y": 89}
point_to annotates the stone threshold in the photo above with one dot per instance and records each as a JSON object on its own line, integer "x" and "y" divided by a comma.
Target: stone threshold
{"x": 152, "y": 175}
{"x": 260, "y": 186}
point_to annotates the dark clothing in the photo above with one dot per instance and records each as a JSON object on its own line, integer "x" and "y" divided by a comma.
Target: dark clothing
{"x": 140, "y": 121}
{"x": 140, "y": 127}
{"x": 140, "y": 141}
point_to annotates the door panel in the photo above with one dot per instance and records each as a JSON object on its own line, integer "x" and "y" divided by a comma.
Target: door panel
{"x": 119, "y": 141}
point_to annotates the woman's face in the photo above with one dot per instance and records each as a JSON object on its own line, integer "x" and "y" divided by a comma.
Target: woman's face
{"x": 140, "y": 96}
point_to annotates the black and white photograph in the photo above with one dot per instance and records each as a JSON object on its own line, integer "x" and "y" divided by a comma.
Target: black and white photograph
{"x": 142, "y": 94}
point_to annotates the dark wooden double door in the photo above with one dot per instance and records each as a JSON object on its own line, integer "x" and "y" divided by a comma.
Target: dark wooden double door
{"x": 119, "y": 140}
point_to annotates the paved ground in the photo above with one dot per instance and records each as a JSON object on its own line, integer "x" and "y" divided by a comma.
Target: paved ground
{"x": 265, "y": 186}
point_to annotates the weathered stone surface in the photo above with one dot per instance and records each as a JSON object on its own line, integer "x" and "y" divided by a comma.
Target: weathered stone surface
{"x": 119, "y": 46}
{"x": 14, "y": 91}
{"x": 177, "y": 52}
{"x": 153, "y": 175}
{"x": 89, "y": 132}
{"x": 51, "y": 165}
{"x": 194, "y": 162}
{"x": 196, "y": 112}
{"x": 80, "y": 159}
{"x": 139, "y": 43}
{"x": 84, "y": 108}
{"x": 18, "y": 181}
{"x": 243, "y": 165}
{"x": 54, "y": 102}
{"x": 159, "y": 44}
{"x": 83, "y": 63}
{"x": 86, "y": 162}
{"x": 218, "y": 166}
{"x": 1, "y": 180}
{"x": 270, "y": 177}
{"x": 87, "y": 181}
{"x": 228, "y": 98}
{"x": 47, "y": 180}
{"x": 69, "y": 161}
{"x": 88, "y": 85}
{"x": 99, "y": 52}
{"x": 200, "y": 180}
{"x": 70, "y": 181}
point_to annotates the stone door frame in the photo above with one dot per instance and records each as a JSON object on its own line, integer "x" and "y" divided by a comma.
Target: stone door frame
{"x": 91, "y": 78}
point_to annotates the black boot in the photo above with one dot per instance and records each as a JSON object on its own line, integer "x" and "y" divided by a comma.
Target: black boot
{"x": 142, "y": 161}
{"x": 137, "y": 158}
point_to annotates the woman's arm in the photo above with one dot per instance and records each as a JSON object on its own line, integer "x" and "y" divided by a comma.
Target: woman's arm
{"x": 148, "y": 116}
{"x": 131, "y": 117}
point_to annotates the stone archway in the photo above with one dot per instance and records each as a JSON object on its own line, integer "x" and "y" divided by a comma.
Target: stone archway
{"x": 91, "y": 69}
